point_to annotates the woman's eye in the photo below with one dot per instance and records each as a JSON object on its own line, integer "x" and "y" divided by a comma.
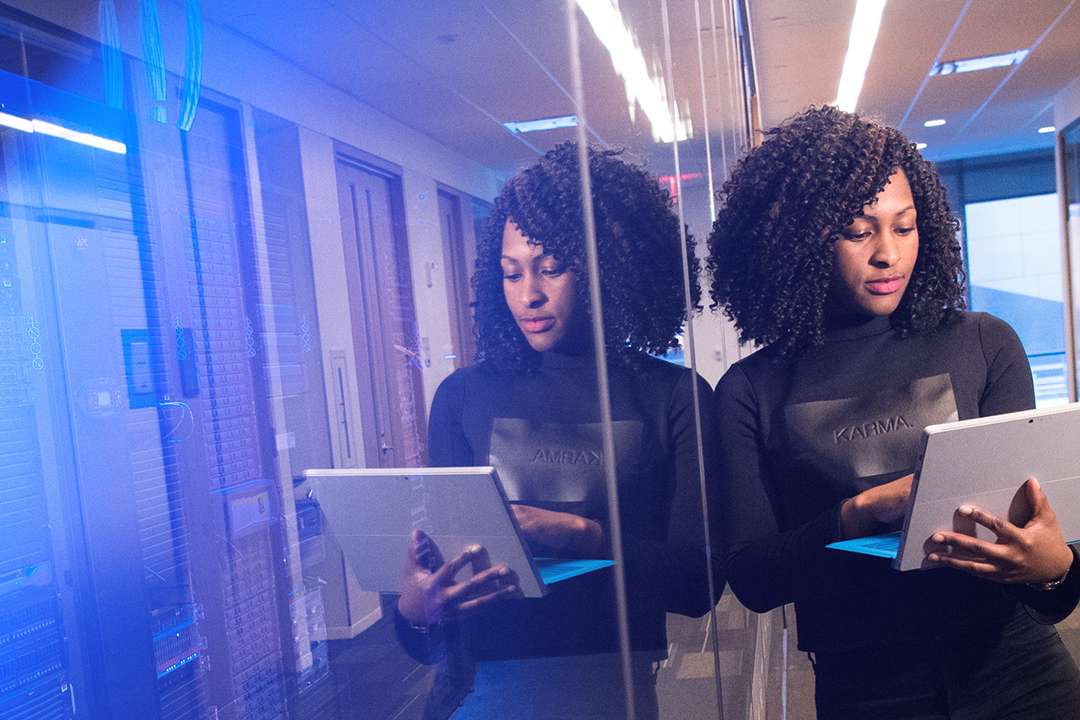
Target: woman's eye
{"x": 856, "y": 236}
{"x": 552, "y": 272}
{"x": 905, "y": 230}
{"x": 511, "y": 277}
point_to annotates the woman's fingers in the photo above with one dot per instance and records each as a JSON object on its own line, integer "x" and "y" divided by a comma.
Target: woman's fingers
{"x": 470, "y": 606}
{"x": 423, "y": 552}
{"x": 965, "y": 552}
{"x": 480, "y": 589}
{"x": 448, "y": 571}
{"x": 1034, "y": 553}
{"x": 1002, "y": 528}
{"x": 432, "y": 592}
{"x": 961, "y": 545}
{"x": 483, "y": 582}
{"x": 977, "y": 557}
{"x": 1040, "y": 504}
{"x": 982, "y": 569}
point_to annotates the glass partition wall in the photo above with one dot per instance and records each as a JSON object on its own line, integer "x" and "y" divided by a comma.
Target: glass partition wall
{"x": 236, "y": 246}
{"x": 1068, "y": 165}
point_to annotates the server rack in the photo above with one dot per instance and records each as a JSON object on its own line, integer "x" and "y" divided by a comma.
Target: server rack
{"x": 156, "y": 369}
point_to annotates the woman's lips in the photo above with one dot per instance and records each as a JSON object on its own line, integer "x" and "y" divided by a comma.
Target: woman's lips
{"x": 537, "y": 325}
{"x": 884, "y": 286}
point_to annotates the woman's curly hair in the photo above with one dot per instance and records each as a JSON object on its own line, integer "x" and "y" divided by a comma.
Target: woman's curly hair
{"x": 771, "y": 247}
{"x": 637, "y": 237}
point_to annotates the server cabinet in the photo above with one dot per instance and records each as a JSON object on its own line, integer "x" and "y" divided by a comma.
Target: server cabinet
{"x": 155, "y": 358}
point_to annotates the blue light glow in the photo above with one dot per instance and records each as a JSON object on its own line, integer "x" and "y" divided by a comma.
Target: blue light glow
{"x": 153, "y": 59}
{"x": 112, "y": 63}
{"x": 193, "y": 62}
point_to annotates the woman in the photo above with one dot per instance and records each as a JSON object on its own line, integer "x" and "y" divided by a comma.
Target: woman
{"x": 534, "y": 392}
{"x": 836, "y": 250}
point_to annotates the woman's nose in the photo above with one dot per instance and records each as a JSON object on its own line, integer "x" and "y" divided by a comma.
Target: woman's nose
{"x": 886, "y": 250}
{"x": 532, "y": 293}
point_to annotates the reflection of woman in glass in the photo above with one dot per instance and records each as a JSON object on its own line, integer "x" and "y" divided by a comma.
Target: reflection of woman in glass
{"x": 530, "y": 407}
{"x": 837, "y": 251}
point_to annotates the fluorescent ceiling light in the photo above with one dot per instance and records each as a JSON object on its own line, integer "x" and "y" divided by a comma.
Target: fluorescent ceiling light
{"x": 920, "y": 146}
{"x": 934, "y": 123}
{"x": 545, "y": 124}
{"x": 1047, "y": 129}
{"x": 18, "y": 123}
{"x": 979, "y": 63}
{"x": 864, "y": 30}
{"x": 48, "y": 128}
{"x": 629, "y": 63}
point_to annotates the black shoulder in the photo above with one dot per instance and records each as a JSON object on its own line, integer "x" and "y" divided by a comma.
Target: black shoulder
{"x": 655, "y": 380}
{"x": 994, "y": 331}
{"x": 479, "y": 371}
{"x": 762, "y": 365}
{"x": 991, "y": 333}
{"x": 454, "y": 387}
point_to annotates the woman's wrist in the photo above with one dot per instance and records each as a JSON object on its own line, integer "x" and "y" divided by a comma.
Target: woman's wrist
{"x": 1046, "y": 586}
{"x": 591, "y": 539}
{"x": 852, "y": 520}
{"x": 1057, "y": 580}
{"x": 413, "y": 613}
{"x": 418, "y": 622}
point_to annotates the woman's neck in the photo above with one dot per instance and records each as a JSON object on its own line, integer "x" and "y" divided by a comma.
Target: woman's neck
{"x": 573, "y": 347}
{"x": 849, "y": 326}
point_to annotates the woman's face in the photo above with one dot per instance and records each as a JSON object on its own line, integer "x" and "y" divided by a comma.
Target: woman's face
{"x": 876, "y": 253}
{"x": 539, "y": 290}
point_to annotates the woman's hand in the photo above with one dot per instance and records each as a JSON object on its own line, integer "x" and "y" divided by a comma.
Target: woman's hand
{"x": 429, "y": 593}
{"x": 576, "y": 535}
{"x": 1033, "y": 553}
{"x": 860, "y": 515}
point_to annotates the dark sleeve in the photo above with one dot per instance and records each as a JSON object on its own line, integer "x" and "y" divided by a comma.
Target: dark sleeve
{"x": 1009, "y": 388}
{"x": 1050, "y": 607}
{"x": 447, "y": 445}
{"x": 676, "y": 573}
{"x": 764, "y": 566}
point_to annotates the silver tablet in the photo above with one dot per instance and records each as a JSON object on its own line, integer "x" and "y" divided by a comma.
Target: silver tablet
{"x": 984, "y": 462}
{"x": 372, "y": 514}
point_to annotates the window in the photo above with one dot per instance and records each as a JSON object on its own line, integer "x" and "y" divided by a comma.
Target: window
{"x": 1014, "y": 272}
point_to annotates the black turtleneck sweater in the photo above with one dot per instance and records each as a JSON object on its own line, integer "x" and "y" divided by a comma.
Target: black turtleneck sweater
{"x": 542, "y": 433}
{"x": 799, "y": 436}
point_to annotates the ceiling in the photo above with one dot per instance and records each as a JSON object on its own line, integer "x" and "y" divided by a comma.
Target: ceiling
{"x": 800, "y": 48}
{"x": 457, "y": 69}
